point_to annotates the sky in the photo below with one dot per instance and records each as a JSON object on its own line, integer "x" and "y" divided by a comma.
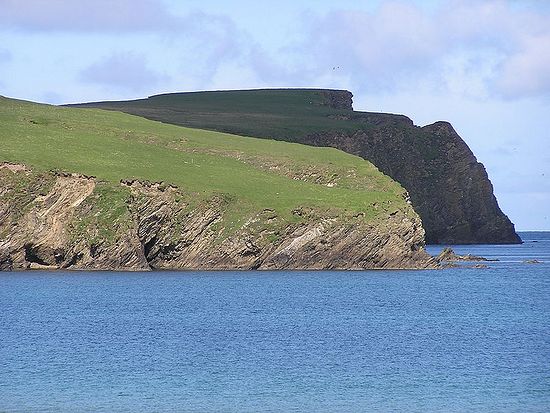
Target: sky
{"x": 484, "y": 66}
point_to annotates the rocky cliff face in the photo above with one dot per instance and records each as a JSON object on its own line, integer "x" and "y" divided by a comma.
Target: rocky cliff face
{"x": 449, "y": 188}
{"x": 58, "y": 220}
{"x": 338, "y": 99}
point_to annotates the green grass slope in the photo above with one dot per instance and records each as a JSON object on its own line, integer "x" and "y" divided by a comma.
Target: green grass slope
{"x": 252, "y": 174}
{"x": 285, "y": 114}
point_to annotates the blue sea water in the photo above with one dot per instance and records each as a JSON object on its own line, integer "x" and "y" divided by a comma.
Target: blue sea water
{"x": 454, "y": 340}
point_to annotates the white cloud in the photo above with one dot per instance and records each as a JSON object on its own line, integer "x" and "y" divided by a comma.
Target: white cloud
{"x": 527, "y": 72}
{"x": 472, "y": 48}
{"x": 84, "y": 15}
{"x": 123, "y": 71}
{"x": 377, "y": 49}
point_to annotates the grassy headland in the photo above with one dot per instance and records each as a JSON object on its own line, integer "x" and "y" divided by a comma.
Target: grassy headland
{"x": 252, "y": 173}
{"x": 449, "y": 189}
{"x": 285, "y": 114}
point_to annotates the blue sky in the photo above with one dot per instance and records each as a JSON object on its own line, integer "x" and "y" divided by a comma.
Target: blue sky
{"x": 482, "y": 65}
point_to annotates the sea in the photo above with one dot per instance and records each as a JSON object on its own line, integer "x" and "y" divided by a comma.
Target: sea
{"x": 452, "y": 340}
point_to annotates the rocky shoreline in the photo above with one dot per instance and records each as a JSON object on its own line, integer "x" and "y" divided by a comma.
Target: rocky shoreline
{"x": 59, "y": 220}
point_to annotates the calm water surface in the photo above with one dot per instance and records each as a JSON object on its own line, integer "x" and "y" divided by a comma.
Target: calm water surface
{"x": 451, "y": 340}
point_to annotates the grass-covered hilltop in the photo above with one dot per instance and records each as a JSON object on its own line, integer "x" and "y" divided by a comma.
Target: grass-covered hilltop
{"x": 449, "y": 189}
{"x": 88, "y": 188}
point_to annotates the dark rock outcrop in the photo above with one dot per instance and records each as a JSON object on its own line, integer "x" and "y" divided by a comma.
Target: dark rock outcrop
{"x": 448, "y": 187}
{"x": 447, "y": 254}
{"x": 338, "y": 99}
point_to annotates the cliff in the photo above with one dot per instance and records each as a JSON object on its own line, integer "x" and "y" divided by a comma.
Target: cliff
{"x": 92, "y": 189}
{"x": 61, "y": 221}
{"x": 448, "y": 188}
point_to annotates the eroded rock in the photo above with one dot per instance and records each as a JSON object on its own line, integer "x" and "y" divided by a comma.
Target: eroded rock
{"x": 73, "y": 221}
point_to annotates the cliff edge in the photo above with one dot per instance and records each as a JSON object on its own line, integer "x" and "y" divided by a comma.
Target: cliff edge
{"x": 449, "y": 188}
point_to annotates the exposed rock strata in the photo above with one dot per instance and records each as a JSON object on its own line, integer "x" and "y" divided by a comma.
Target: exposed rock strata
{"x": 63, "y": 221}
{"x": 338, "y": 99}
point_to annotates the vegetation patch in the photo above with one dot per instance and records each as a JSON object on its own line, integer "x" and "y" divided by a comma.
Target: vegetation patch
{"x": 104, "y": 215}
{"x": 18, "y": 190}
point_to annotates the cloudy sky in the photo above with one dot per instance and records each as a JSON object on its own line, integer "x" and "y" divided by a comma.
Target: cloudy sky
{"x": 482, "y": 65}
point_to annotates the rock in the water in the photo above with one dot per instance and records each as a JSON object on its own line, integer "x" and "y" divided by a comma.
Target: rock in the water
{"x": 447, "y": 254}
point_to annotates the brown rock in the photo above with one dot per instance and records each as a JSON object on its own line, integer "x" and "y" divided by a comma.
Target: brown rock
{"x": 57, "y": 224}
{"x": 447, "y": 254}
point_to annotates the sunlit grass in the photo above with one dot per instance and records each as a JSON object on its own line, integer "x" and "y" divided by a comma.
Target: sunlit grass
{"x": 114, "y": 146}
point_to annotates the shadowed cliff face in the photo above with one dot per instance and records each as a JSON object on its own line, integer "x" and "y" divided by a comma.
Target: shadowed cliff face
{"x": 468, "y": 209}
{"x": 52, "y": 221}
{"x": 448, "y": 188}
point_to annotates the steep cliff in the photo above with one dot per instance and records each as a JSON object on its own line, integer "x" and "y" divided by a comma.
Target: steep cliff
{"x": 449, "y": 189}
{"x": 61, "y": 220}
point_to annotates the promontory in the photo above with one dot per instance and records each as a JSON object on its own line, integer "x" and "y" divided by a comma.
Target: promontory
{"x": 95, "y": 189}
{"x": 448, "y": 187}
